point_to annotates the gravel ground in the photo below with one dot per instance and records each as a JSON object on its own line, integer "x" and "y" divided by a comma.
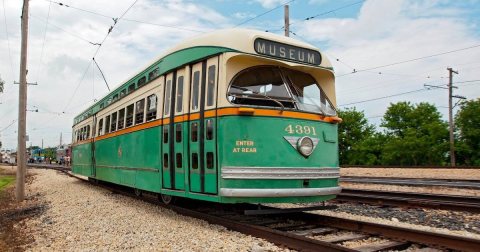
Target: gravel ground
{"x": 82, "y": 217}
{"x": 413, "y": 173}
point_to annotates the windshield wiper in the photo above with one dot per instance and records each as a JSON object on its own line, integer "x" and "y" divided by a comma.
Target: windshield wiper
{"x": 257, "y": 93}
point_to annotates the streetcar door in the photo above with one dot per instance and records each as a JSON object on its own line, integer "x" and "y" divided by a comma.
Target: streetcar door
{"x": 202, "y": 127}
{"x": 173, "y": 145}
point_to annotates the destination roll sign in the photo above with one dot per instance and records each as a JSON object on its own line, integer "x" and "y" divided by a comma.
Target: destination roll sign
{"x": 288, "y": 52}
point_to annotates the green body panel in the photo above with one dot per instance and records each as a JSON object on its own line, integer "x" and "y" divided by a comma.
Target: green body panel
{"x": 82, "y": 160}
{"x": 271, "y": 148}
{"x": 136, "y": 159}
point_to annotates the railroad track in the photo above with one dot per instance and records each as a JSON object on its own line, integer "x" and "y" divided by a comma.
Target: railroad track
{"x": 471, "y": 184}
{"x": 305, "y": 231}
{"x": 411, "y": 199}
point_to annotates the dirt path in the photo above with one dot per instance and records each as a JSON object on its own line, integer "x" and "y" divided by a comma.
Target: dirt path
{"x": 13, "y": 215}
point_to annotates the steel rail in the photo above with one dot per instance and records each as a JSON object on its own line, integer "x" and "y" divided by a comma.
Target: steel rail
{"x": 457, "y": 183}
{"x": 411, "y": 199}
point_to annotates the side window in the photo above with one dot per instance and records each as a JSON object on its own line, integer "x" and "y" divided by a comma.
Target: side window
{"x": 101, "y": 105}
{"x": 131, "y": 88}
{"x": 100, "y": 127}
{"x": 115, "y": 97}
{"x": 123, "y": 93}
{"x": 88, "y": 132}
{"x": 195, "y": 89}
{"x": 151, "y": 107}
{"x": 142, "y": 82}
{"x": 153, "y": 74}
{"x": 107, "y": 123}
{"x": 114, "y": 122}
{"x": 179, "y": 98}
{"x": 129, "y": 116}
{"x": 139, "y": 111}
{"x": 194, "y": 132}
{"x": 209, "y": 129}
{"x": 121, "y": 118}
{"x": 211, "y": 85}
{"x": 167, "y": 97}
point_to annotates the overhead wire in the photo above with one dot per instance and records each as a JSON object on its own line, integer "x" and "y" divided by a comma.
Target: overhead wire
{"x": 8, "y": 41}
{"x": 264, "y": 13}
{"x": 384, "y": 97}
{"x": 43, "y": 43}
{"x": 411, "y": 60}
{"x": 126, "y": 19}
{"x": 115, "y": 20}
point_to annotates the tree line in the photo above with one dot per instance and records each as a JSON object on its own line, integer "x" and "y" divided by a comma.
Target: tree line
{"x": 410, "y": 135}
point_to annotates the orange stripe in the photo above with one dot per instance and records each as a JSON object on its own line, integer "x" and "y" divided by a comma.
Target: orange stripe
{"x": 220, "y": 112}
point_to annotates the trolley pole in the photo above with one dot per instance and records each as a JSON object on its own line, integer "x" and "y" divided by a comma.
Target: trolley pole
{"x": 450, "y": 116}
{"x": 287, "y": 21}
{"x": 22, "y": 109}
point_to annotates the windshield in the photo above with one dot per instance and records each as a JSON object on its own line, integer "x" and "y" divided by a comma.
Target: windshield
{"x": 273, "y": 86}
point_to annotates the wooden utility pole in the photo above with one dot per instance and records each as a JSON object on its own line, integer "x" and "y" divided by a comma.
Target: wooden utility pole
{"x": 22, "y": 109}
{"x": 450, "y": 116}
{"x": 287, "y": 21}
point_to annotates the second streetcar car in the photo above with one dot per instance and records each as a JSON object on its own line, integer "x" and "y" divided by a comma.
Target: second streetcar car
{"x": 232, "y": 116}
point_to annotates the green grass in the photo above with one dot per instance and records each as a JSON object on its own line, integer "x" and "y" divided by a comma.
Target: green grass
{"x": 5, "y": 181}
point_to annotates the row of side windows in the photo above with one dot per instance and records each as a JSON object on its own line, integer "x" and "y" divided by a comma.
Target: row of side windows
{"x": 135, "y": 113}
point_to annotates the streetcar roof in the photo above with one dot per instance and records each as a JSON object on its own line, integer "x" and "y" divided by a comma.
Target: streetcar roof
{"x": 225, "y": 40}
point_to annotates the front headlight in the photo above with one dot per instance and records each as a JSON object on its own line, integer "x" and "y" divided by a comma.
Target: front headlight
{"x": 305, "y": 146}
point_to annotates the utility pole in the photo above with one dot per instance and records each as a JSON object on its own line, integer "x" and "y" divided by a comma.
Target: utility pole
{"x": 22, "y": 109}
{"x": 287, "y": 21}
{"x": 450, "y": 116}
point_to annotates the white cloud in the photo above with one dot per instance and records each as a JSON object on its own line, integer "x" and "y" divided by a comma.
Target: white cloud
{"x": 268, "y": 4}
{"x": 389, "y": 31}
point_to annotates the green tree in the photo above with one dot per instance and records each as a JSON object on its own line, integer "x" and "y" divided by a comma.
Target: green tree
{"x": 353, "y": 133}
{"x": 414, "y": 135}
{"x": 467, "y": 121}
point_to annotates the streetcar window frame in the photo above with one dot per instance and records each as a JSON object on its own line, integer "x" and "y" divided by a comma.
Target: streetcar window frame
{"x": 107, "y": 122}
{"x": 123, "y": 93}
{"x": 167, "y": 100}
{"x": 121, "y": 119}
{"x": 195, "y": 90}
{"x": 131, "y": 88}
{"x": 140, "y": 115}
{"x": 129, "y": 116}
{"x": 179, "y": 98}
{"x": 88, "y": 132}
{"x": 212, "y": 76}
{"x": 100, "y": 127}
{"x": 152, "y": 101}
{"x": 113, "y": 123}
{"x": 141, "y": 82}
{"x": 153, "y": 74}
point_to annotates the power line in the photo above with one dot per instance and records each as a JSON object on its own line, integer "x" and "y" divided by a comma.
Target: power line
{"x": 264, "y": 13}
{"x": 410, "y": 60}
{"x": 384, "y": 97}
{"x": 44, "y": 39}
{"x": 115, "y": 20}
{"x": 321, "y": 14}
{"x": 14, "y": 121}
{"x": 8, "y": 41}
{"x": 125, "y": 19}
{"x": 70, "y": 33}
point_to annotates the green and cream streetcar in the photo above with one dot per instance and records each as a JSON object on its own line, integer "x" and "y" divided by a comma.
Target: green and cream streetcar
{"x": 231, "y": 116}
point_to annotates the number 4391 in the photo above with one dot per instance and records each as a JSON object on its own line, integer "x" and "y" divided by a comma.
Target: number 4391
{"x": 299, "y": 129}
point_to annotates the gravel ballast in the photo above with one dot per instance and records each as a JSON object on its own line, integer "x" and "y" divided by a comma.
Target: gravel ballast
{"x": 79, "y": 216}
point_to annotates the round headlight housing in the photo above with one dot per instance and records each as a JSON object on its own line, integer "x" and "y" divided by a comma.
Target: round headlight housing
{"x": 305, "y": 146}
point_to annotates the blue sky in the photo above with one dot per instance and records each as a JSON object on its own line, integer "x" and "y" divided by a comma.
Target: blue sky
{"x": 362, "y": 36}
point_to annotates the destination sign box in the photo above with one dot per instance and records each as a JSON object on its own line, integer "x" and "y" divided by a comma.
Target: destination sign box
{"x": 288, "y": 52}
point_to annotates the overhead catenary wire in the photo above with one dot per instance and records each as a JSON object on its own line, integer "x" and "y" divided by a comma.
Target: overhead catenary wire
{"x": 384, "y": 97}
{"x": 8, "y": 41}
{"x": 127, "y": 19}
{"x": 411, "y": 60}
{"x": 43, "y": 43}
{"x": 115, "y": 20}
{"x": 264, "y": 13}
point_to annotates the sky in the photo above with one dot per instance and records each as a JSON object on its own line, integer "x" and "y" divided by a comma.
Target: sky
{"x": 383, "y": 51}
